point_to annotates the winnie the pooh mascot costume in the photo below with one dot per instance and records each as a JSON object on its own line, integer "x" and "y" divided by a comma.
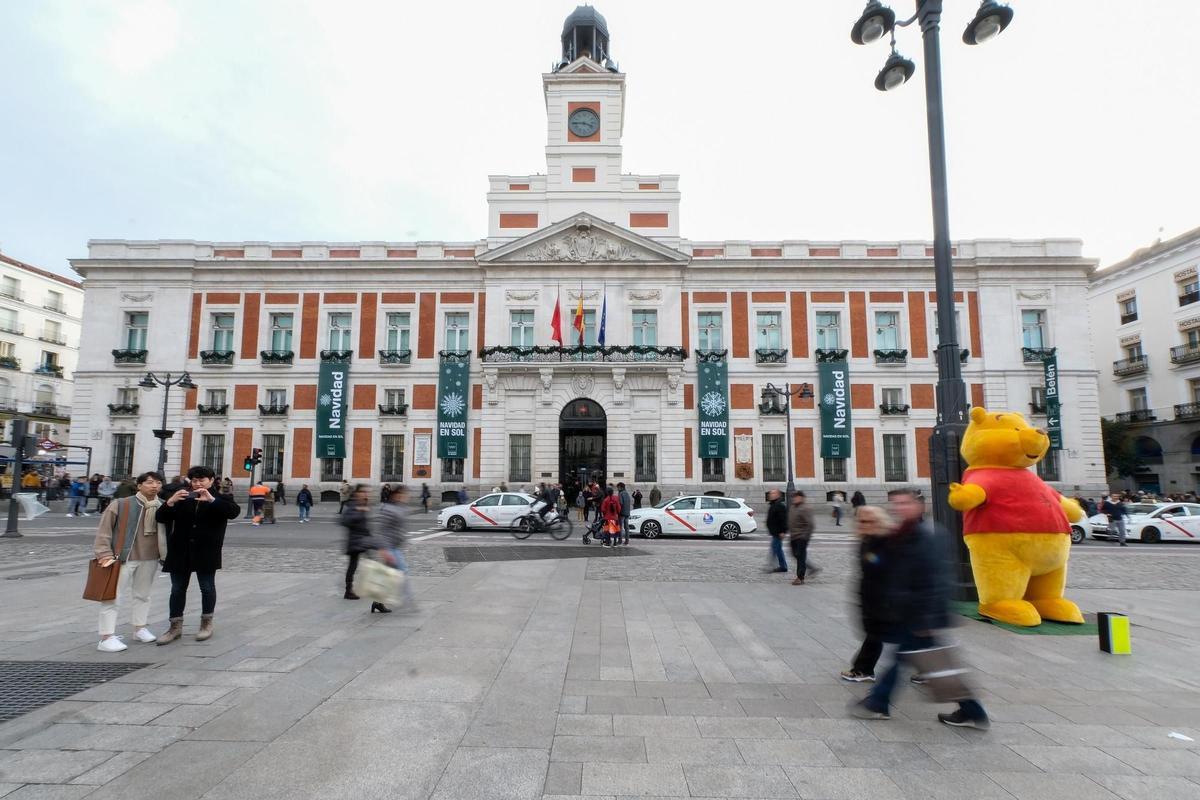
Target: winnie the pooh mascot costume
{"x": 1017, "y": 528}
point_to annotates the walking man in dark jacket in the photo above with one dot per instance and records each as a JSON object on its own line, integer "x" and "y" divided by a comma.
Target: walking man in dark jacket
{"x": 800, "y": 531}
{"x": 626, "y": 506}
{"x": 913, "y": 574}
{"x": 777, "y": 526}
{"x": 195, "y": 520}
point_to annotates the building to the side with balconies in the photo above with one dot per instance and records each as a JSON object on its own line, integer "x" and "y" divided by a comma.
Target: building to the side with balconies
{"x": 40, "y": 314}
{"x": 344, "y": 360}
{"x": 1145, "y": 317}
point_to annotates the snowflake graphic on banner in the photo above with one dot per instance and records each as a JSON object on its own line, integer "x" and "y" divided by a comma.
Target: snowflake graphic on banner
{"x": 827, "y": 399}
{"x": 712, "y": 403}
{"x": 326, "y": 400}
{"x": 453, "y": 405}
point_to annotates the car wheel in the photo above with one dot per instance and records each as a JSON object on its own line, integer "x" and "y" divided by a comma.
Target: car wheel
{"x": 730, "y": 530}
{"x": 456, "y": 523}
{"x": 1151, "y": 535}
{"x": 651, "y": 529}
{"x": 1077, "y": 534}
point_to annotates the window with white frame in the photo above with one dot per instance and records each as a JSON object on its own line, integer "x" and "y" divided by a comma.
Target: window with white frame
{"x": 49, "y": 361}
{"x": 340, "y": 331}
{"x": 122, "y": 455}
{"x": 887, "y": 330}
{"x": 52, "y": 331}
{"x": 589, "y": 327}
{"x": 708, "y": 330}
{"x": 137, "y": 325}
{"x": 6, "y": 392}
{"x": 835, "y": 469}
{"x": 937, "y": 331}
{"x": 8, "y": 350}
{"x": 8, "y": 320}
{"x": 769, "y": 330}
{"x": 10, "y": 287}
{"x": 1189, "y": 291}
{"x": 773, "y": 457}
{"x": 712, "y": 469}
{"x": 452, "y": 470}
{"x": 398, "y": 330}
{"x": 645, "y": 454}
{"x": 272, "y": 454}
{"x": 891, "y": 396}
{"x": 44, "y": 395}
{"x": 645, "y": 327}
{"x": 829, "y": 335}
{"x": 393, "y": 398}
{"x": 458, "y": 331}
{"x": 895, "y": 457}
{"x": 276, "y": 398}
{"x": 1037, "y": 399}
{"x": 1191, "y": 338}
{"x": 212, "y": 452}
{"x": 520, "y": 328}
{"x": 127, "y": 396}
{"x": 332, "y": 469}
{"x": 1194, "y": 390}
{"x": 1133, "y": 351}
{"x": 1138, "y": 399}
{"x": 391, "y": 457}
{"x": 54, "y": 301}
{"x": 281, "y": 332}
{"x": 216, "y": 397}
{"x": 1129, "y": 310}
{"x": 1033, "y": 328}
{"x": 222, "y": 332}
{"x": 520, "y": 457}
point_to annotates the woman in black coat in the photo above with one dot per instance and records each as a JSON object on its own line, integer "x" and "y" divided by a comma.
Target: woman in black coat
{"x": 358, "y": 534}
{"x": 195, "y": 519}
{"x": 873, "y": 524}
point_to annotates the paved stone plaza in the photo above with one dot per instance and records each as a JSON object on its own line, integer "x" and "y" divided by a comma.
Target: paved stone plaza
{"x": 682, "y": 673}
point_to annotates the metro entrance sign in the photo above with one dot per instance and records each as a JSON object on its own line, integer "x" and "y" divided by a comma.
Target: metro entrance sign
{"x": 48, "y": 444}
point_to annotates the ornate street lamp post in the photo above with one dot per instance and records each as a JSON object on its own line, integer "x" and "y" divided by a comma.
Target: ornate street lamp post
{"x": 876, "y": 21}
{"x": 166, "y": 380}
{"x": 787, "y": 392}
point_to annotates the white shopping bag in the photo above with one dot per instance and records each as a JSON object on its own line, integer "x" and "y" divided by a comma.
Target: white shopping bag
{"x": 30, "y": 506}
{"x": 377, "y": 581}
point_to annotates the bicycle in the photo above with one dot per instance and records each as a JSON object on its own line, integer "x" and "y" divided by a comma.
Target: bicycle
{"x": 558, "y": 526}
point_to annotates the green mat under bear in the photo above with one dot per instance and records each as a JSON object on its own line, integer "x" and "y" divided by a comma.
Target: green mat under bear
{"x": 970, "y": 610}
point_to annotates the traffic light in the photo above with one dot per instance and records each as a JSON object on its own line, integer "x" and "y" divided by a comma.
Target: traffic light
{"x": 248, "y": 463}
{"x": 257, "y": 456}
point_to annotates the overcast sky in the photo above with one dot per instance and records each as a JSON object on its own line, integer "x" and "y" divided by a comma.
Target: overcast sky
{"x": 304, "y": 120}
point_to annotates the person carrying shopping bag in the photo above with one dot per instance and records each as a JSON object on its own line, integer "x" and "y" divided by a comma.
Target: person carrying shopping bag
{"x": 358, "y": 535}
{"x": 391, "y": 526}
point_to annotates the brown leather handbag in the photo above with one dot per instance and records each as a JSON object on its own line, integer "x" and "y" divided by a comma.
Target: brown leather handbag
{"x": 101, "y": 583}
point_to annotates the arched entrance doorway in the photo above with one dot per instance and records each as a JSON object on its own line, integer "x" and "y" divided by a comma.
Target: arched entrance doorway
{"x": 582, "y": 433}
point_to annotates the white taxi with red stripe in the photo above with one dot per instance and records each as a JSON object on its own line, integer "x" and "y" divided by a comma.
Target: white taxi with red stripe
{"x": 1154, "y": 522}
{"x": 495, "y": 510}
{"x": 727, "y": 517}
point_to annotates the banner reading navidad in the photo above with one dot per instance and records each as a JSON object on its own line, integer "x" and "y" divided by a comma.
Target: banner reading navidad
{"x": 835, "y": 408}
{"x": 453, "y": 389}
{"x": 333, "y": 388}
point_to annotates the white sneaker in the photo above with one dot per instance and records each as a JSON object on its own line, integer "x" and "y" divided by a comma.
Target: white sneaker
{"x": 70, "y": 515}
{"x": 112, "y": 644}
{"x": 145, "y": 636}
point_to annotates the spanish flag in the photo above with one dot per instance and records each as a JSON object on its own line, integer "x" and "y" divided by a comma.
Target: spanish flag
{"x": 578, "y": 324}
{"x": 556, "y": 324}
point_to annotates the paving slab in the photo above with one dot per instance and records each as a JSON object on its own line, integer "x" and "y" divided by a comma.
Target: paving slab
{"x": 692, "y": 751}
{"x": 1056, "y": 786}
{"x": 653, "y": 727}
{"x": 787, "y": 752}
{"x": 488, "y": 773}
{"x": 48, "y": 766}
{"x": 936, "y": 785}
{"x": 843, "y": 783}
{"x": 738, "y": 781}
{"x": 1139, "y": 787}
{"x": 599, "y": 749}
{"x": 635, "y": 780}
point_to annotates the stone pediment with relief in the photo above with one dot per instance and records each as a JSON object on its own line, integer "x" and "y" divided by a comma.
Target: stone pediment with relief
{"x": 583, "y": 239}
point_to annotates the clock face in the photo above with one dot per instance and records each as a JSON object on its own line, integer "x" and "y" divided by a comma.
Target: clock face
{"x": 584, "y": 122}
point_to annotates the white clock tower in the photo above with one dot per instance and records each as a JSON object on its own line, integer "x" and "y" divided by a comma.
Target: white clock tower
{"x": 585, "y": 118}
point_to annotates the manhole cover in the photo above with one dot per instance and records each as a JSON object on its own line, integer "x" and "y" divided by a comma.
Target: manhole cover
{"x": 28, "y": 685}
{"x": 530, "y": 552}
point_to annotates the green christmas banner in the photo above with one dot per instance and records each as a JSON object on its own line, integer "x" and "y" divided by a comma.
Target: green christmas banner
{"x": 714, "y": 409}
{"x": 1053, "y": 399}
{"x": 333, "y": 389}
{"x": 454, "y": 385}
{"x": 834, "y": 378}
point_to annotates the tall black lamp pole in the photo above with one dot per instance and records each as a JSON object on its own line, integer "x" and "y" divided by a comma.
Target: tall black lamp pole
{"x": 952, "y": 406}
{"x": 166, "y": 380}
{"x": 788, "y": 391}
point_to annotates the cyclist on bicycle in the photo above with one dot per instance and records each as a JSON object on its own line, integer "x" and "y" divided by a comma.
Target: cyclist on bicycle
{"x": 549, "y": 497}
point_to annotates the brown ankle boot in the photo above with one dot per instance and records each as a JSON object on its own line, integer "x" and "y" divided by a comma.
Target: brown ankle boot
{"x": 206, "y": 628}
{"x": 173, "y": 632}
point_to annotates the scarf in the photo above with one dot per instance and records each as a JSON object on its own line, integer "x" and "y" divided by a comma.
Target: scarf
{"x": 149, "y": 525}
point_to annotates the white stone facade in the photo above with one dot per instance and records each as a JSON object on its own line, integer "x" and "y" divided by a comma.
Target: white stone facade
{"x": 1145, "y": 317}
{"x": 583, "y": 229}
{"x": 39, "y": 347}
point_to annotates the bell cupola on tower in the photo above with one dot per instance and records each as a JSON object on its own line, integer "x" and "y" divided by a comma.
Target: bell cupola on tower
{"x": 585, "y": 119}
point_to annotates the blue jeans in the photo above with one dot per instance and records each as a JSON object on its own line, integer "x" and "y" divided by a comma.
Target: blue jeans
{"x": 402, "y": 565}
{"x": 881, "y": 696}
{"x": 303, "y": 512}
{"x": 75, "y": 505}
{"x": 777, "y": 551}
{"x": 179, "y": 587}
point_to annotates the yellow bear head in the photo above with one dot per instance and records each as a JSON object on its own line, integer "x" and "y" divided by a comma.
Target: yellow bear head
{"x": 1002, "y": 439}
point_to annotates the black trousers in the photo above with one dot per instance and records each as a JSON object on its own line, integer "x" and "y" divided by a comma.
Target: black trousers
{"x": 179, "y": 587}
{"x": 800, "y": 553}
{"x": 351, "y": 568}
{"x": 868, "y": 655}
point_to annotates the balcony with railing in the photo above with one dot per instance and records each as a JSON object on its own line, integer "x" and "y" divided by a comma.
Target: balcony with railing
{"x": 393, "y": 409}
{"x": 895, "y": 356}
{"x": 10, "y": 362}
{"x": 1185, "y": 354}
{"x": 767, "y": 355}
{"x": 1188, "y": 298}
{"x": 1131, "y": 366}
{"x": 277, "y": 358}
{"x": 49, "y": 410}
{"x": 212, "y": 411}
{"x": 395, "y": 358}
{"x": 12, "y": 327}
{"x": 52, "y": 370}
{"x": 123, "y": 409}
{"x": 1128, "y": 318}
{"x": 123, "y": 356}
{"x": 711, "y": 356}
{"x": 1135, "y": 417}
{"x": 8, "y": 404}
{"x": 53, "y": 338}
{"x": 823, "y": 355}
{"x": 609, "y": 354}
{"x": 1187, "y": 411}
{"x": 12, "y": 294}
{"x": 216, "y": 358}
{"x": 894, "y": 409}
{"x": 273, "y": 410}
{"x": 337, "y": 356}
{"x": 1035, "y": 355}
{"x": 57, "y": 308}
